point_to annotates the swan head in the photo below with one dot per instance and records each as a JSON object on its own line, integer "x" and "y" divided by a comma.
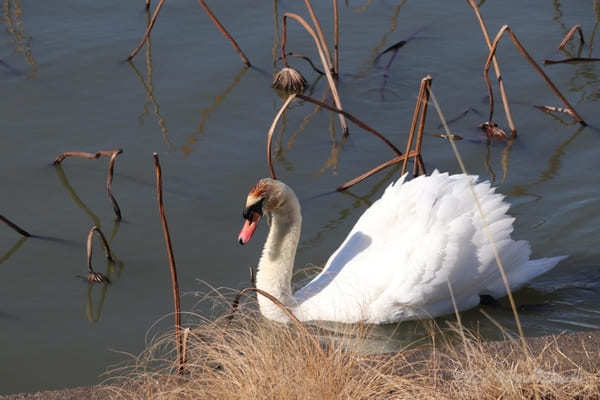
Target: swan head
{"x": 268, "y": 195}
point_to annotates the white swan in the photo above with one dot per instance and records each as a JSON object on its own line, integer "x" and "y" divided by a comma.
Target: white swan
{"x": 398, "y": 259}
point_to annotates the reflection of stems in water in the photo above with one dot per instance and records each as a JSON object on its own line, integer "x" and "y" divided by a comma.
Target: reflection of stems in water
{"x": 343, "y": 214}
{"x": 89, "y": 309}
{"x": 334, "y": 155}
{"x": 363, "y": 7}
{"x": 536, "y": 67}
{"x": 206, "y": 113}
{"x": 14, "y": 226}
{"x": 303, "y": 124}
{"x": 487, "y": 164}
{"x": 13, "y": 16}
{"x": 571, "y": 60}
{"x": 276, "y": 38}
{"x": 504, "y": 159}
{"x": 149, "y": 88}
{"x": 553, "y": 166}
{"x": 377, "y": 49}
{"x": 63, "y": 179}
{"x": 13, "y": 249}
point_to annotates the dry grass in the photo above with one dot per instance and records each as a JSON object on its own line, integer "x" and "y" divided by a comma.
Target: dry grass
{"x": 256, "y": 359}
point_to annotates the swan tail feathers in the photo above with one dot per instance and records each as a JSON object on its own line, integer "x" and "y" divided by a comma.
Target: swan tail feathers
{"x": 526, "y": 273}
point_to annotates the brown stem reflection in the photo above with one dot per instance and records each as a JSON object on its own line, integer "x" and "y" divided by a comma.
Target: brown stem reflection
{"x": 554, "y": 164}
{"x": 343, "y": 214}
{"x": 76, "y": 199}
{"x": 13, "y": 249}
{"x": 377, "y": 49}
{"x": 206, "y": 112}
{"x": 148, "y": 85}
{"x": 13, "y": 19}
{"x": 115, "y": 265}
{"x": 94, "y": 315}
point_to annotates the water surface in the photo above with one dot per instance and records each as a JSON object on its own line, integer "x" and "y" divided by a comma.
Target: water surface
{"x": 188, "y": 97}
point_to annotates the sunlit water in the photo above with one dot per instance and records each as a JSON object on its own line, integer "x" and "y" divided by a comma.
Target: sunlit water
{"x": 65, "y": 87}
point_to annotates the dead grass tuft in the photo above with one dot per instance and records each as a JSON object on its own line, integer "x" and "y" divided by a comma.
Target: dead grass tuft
{"x": 257, "y": 359}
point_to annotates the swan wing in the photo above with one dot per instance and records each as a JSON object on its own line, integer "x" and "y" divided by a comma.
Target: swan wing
{"x": 404, "y": 251}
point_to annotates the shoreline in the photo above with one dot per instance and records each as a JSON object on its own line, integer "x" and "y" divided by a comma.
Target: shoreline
{"x": 580, "y": 348}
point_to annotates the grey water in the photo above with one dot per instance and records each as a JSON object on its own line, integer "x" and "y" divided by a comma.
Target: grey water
{"x": 65, "y": 87}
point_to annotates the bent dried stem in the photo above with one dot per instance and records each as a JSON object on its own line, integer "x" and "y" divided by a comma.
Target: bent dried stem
{"x": 111, "y": 167}
{"x": 174, "y": 283}
{"x": 94, "y": 276}
{"x": 272, "y": 129}
{"x": 148, "y": 29}
{"x": 223, "y": 31}
{"x": 20, "y": 230}
{"x": 336, "y": 39}
{"x": 320, "y": 35}
{"x": 311, "y": 32}
{"x": 503, "y": 95}
{"x": 380, "y": 167}
{"x": 308, "y": 60}
{"x": 571, "y": 60}
{"x": 353, "y": 119}
{"x": 419, "y": 115}
{"x": 569, "y": 36}
{"x": 80, "y": 154}
{"x": 525, "y": 54}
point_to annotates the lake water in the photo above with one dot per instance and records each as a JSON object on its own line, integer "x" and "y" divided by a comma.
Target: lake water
{"x": 65, "y": 87}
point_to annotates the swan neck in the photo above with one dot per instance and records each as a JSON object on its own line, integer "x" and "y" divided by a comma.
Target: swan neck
{"x": 276, "y": 264}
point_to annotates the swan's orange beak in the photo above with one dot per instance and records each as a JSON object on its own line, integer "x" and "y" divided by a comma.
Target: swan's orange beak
{"x": 249, "y": 227}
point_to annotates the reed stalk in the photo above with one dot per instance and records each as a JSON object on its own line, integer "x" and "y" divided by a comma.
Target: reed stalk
{"x": 109, "y": 178}
{"x": 311, "y": 32}
{"x": 570, "y": 34}
{"x": 389, "y": 163}
{"x": 173, "y": 269}
{"x": 94, "y": 276}
{"x": 320, "y": 35}
{"x": 148, "y": 29}
{"x": 419, "y": 116}
{"x": 285, "y": 105}
{"x": 525, "y": 54}
{"x": 14, "y": 226}
{"x": 336, "y": 38}
{"x": 80, "y": 154}
{"x": 212, "y": 17}
{"x": 485, "y": 224}
{"x": 503, "y": 95}
{"x": 353, "y": 119}
{"x": 331, "y": 108}
{"x": 223, "y": 31}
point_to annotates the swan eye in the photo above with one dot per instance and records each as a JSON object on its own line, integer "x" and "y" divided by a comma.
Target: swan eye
{"x": 254, "y": 208}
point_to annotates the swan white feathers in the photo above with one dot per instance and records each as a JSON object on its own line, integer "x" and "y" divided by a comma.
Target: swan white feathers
{"x": 397, "y": 261}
